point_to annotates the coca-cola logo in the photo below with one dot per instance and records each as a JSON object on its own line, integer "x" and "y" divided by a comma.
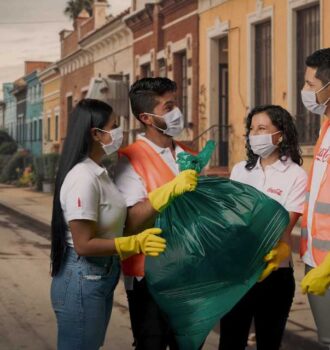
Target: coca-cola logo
{"x": 275, "y": 191}
{"x": 323, "y": 154}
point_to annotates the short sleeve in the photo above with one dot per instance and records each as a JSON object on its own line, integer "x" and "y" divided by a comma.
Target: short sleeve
{"x": 80, "y": 198}
{"x": 129, "y": 183}
{"x": 296, "y": 197}
{"x": 236, "y": 171}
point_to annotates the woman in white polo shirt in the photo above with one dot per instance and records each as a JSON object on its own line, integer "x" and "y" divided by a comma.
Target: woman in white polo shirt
{"x": 273, "y": 167}
{"x": 87, "y": 225}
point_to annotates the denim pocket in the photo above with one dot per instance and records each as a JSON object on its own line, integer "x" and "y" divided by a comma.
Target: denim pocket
{"x": 94, "y": 271}
{"x": 59, "y": 288}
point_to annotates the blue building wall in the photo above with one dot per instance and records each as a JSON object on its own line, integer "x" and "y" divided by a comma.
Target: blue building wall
{"x": 10, "y": 111}
{"x": 20, "y": 95}
{"x": 34, "y": 109}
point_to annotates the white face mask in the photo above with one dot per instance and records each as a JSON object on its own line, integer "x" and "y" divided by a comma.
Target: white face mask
{"x": 310, "y": 102}
{"x": 262, "y": 145}
{"x": 117, "y": 139}
{"x": 174, "y": 122}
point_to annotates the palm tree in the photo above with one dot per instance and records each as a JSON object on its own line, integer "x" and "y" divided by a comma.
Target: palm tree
{"x": 74, "y": 7}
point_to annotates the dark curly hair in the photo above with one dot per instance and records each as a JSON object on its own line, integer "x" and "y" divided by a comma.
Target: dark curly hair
{"x": 282, "y": 119}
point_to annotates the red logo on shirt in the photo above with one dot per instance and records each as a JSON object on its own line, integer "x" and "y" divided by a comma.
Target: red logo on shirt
{"x": 323, "y": 155}
{"x": 79, "y": 203}
{"x": 275, "y": 191}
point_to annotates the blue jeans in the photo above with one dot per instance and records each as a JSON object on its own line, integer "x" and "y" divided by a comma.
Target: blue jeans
{"x": 82, "y": 297}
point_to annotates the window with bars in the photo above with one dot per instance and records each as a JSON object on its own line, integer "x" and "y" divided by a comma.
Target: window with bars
{"x": 17, "y": 131}
{"x": 162, "y": 68}
{"x": 35, "y": 130}
{"x": 181, "y": 73}
{"x": 56, "y": 127}
{"x": 40, "y": 130}
{"x": 146, "y": 71}
{"x": 69, "y": 105}
{"x": 28, "y": 131}
{"x": 308, "y": 41}
{"x": 263, "y": 63}
{"x": 24, "y": 132}
{"x": 20, "y": 127}
{"x": 48, "y": 129}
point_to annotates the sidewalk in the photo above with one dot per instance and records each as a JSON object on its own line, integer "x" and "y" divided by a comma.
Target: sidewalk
{"x": 300, "y": 331}
{"x": 28, "y": 203}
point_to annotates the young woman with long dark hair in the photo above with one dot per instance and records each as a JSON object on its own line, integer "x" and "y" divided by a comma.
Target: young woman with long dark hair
{"x": 87, "y": 224}
{"x": 273, "y": 167}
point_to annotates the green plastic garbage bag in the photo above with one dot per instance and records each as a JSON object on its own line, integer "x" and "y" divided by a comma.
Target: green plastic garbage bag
{"x": 216, "y": 237}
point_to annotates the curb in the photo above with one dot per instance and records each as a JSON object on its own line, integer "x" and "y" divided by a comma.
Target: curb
{"x": 40, "y": 226}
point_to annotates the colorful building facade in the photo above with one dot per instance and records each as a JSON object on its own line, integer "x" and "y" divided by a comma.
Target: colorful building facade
{"x": 20, "y": 93}
{"x": 165, "y": 43}
{"x": 76, "y": 65}
{"x": 111, "y": 46}
{"x": 10, "y": 109}
{"x": 33, "y": 140}
{"x": 50, "y": 80}
{"x": 252, "y": 52}
{"x": 34, "y": 106}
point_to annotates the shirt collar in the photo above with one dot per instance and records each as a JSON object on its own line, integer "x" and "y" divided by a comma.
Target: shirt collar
{"x": 258, "y": 165}
{"x": 159, "y": 150}
{"x": 280, "y": 165}
{"x": 97, "y": 169}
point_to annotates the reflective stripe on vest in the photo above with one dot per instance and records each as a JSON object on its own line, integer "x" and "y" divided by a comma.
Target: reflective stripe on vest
{"x": 322, "y": 208}
{"x": 320, "y": 225}
{"x": 320, "y": 244}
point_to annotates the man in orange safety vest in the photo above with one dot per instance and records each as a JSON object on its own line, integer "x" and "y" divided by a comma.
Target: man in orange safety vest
{"x": 315, "y": 233}
{"x": 146, "y": 173}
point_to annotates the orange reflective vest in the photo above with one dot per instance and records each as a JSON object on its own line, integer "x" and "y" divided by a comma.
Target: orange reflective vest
{"x": 321, "y": 214}
{"x": 148, "y": 164}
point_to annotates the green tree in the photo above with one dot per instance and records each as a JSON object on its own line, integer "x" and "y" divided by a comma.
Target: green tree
{"x": 74, "y": 7}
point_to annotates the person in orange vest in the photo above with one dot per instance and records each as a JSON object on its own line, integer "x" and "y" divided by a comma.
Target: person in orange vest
{"x": 315, "y": 227}
{"x": 147, "y": 169}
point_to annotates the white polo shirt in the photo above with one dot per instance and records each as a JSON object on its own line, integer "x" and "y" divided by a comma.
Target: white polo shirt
{"x": 284, "y": 181}
{"x": 130, "y": 184}
{"x": 320, "y": 166}
{"x": 88, "y": 193}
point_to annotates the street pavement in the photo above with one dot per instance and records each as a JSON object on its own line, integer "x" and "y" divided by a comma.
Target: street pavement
{"x": 26, "y": 318}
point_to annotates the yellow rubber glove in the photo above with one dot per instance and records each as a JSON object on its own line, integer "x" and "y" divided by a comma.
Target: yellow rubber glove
{"x": 317, "y": 281}
{"x": 274, "y": 259}
{"x": 162, "y": 196}
{"x": 146, "y": 242}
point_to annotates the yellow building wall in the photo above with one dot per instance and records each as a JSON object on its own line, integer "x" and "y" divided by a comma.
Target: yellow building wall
{"x": 237, "y": 12}
{"x": 51, "y": 108}
{"x": 325, "y": 18}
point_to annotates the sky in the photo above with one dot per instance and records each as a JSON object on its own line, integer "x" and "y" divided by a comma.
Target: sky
{"x": 29, "y": 31}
